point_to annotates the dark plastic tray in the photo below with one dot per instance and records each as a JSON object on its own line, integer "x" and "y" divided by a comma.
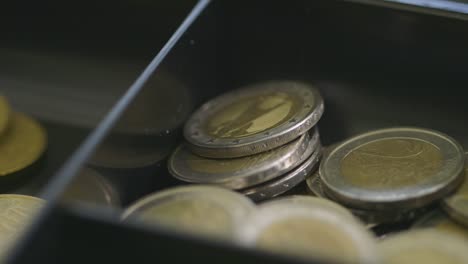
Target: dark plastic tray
{"x": 376, "y": 66}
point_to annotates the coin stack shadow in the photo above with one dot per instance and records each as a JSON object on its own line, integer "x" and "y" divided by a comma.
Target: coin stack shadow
{"x": 260, "y": 140}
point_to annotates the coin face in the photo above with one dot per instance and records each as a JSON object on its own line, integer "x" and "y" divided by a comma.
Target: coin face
{"x": 309, "y": 229}
{"x": 90, "y": 187}
{"x": 198, "y": 209}
{"x": 423, "y": 246}
{"x": 254, "y": 119}
{"x": 16, "y": 213}
{"x": 238, "y": 173}
{"x": 4, "y": 114}
{"x": 279, "y": 186}
{"x": 439, "y": 221}
{"x": 393, "y": 168}
{"x": 21, "y": 145}
{"x": 456, "y": 205}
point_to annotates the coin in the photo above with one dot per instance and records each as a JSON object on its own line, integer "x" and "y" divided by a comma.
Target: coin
{"x": 16, "y": 213}
{"x": 279, "y": 186}
{"x": 4, "y": 114}
{"x": 239, "y": 173}
{"x": 423, "y": 246}
{"x": 21, "y": 145}
{"x": 400, "y": 168}
{"x": 439, "y": 221}
{"x": 254, "y": 119}
{"x": 198, "y": 209}
{"x": 310, "y": 230}
{"x": 90, "y": 187}
{"x": 456, "y": 205}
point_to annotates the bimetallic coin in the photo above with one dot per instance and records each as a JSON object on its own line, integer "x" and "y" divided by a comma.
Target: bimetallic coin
{"x": 401, "y": 168}
{"x": 4, "y": 114}
{"x": 239, "y": 173}
{"x": 16, "y": 213}
{"x": 21, "y": 145}
{"x": 310, "y": 230}
{"x": 254, "y": 119}
{"x": 285, "y": 183}
{"x": 456, "y": 205}
{"x": 439, "y": 221}
{"x": 90, "y": 187}
{"x": 423, "y": 246}
{"x": 197, "y": 209}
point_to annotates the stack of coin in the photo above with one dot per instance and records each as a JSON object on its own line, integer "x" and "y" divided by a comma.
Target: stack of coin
{"x": 390, "y": 175}
{"x": 22, "y": 142}
{"x": 260, "y": 140}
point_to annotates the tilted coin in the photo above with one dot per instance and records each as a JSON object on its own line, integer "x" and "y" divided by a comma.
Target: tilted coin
{"x": 286, "y": 182}
{"x": 440, "y": 221}
{"x": 308, "y": 230}
{"x": 21, "y": 145}
{"x": 254, "y": 119}
{"x": 456, "y": 205}
{"x": 90, "y": 187}
{"x": 16, "y": 213}
{"x": 198, "y": 209}
{"x": 4, "y": 114}
{"x": 393, "y": 168}
{"x": 423, "y": 246}
{"x": 238, "y": 173}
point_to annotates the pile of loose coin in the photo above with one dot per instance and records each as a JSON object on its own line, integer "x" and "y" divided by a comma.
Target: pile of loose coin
{"x": 260, "y": 140}
{"x": 249, "y": 141}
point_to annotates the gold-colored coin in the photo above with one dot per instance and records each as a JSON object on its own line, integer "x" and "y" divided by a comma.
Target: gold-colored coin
{"x": 309, "y": 229}
{"x": 197, "y": 209}
{"x": 254, "y": 119}
{"x": 456, "y": 205}
{"x": 4, "y": 114}
{"x": 22, "y": 144}
{"x": 423, "y": 246}
{"x": 400, "y": 168}
{"x": 90, "y": 187}
{"x": 439, "y": 221}
{"x": 16, "y": 213}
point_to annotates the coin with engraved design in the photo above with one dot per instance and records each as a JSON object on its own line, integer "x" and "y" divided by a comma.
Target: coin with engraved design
{"x": 253, "y": 119}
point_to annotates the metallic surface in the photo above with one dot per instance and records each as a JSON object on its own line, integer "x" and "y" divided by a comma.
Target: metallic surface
{"x": 381, "y": 169}
{"x": 423, "y": 246}
{"x": 22, "y": 144}
{"x": 198, "y": 209}
{"x": 90, "y": 187}
{"x": 309, "y": 229}
{"x": 456, "y": 205}
{"x": 242, "y": 172}
{"x": 286, "y": 182}
{"x": 253, "y": 119}
{"x": 440, "y": 221}
{"x": 4, "y": 114}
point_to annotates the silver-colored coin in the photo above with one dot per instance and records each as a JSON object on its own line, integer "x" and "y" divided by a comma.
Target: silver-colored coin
{"x": 456, "y": 204}
{"x": 400, "y": 168}
{"x": 290, "y": 180}
{"x": 196, "y": 209}
{"x": 254, "y": 119}
{"x": 239, "y": 173}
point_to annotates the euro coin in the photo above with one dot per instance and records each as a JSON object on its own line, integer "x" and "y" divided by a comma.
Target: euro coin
{"x": 395, "y": 168}
{"x": 254, "y": 119}
{"x": 456, "y": 205}
{"x": 4, "y": 114}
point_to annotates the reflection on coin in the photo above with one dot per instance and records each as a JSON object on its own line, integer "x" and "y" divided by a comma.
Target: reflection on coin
{"x": 242, "y": 172}
{"x": 308, "y": 230}
{"x": 423, "y": 246}
{"x": 456, "y": 205}
{"x": 439, "y": 221}
{"x": 16, "y": 213}
{"x": 4, "y": 114}
{"x": 21, "y": 145}
{"x": 253, "y": 119}
{"x": 279, "y": 186}
{"x": 205, "y": 210}
{"x": 393, "y": 168}
{"x": 90, "y": 187}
